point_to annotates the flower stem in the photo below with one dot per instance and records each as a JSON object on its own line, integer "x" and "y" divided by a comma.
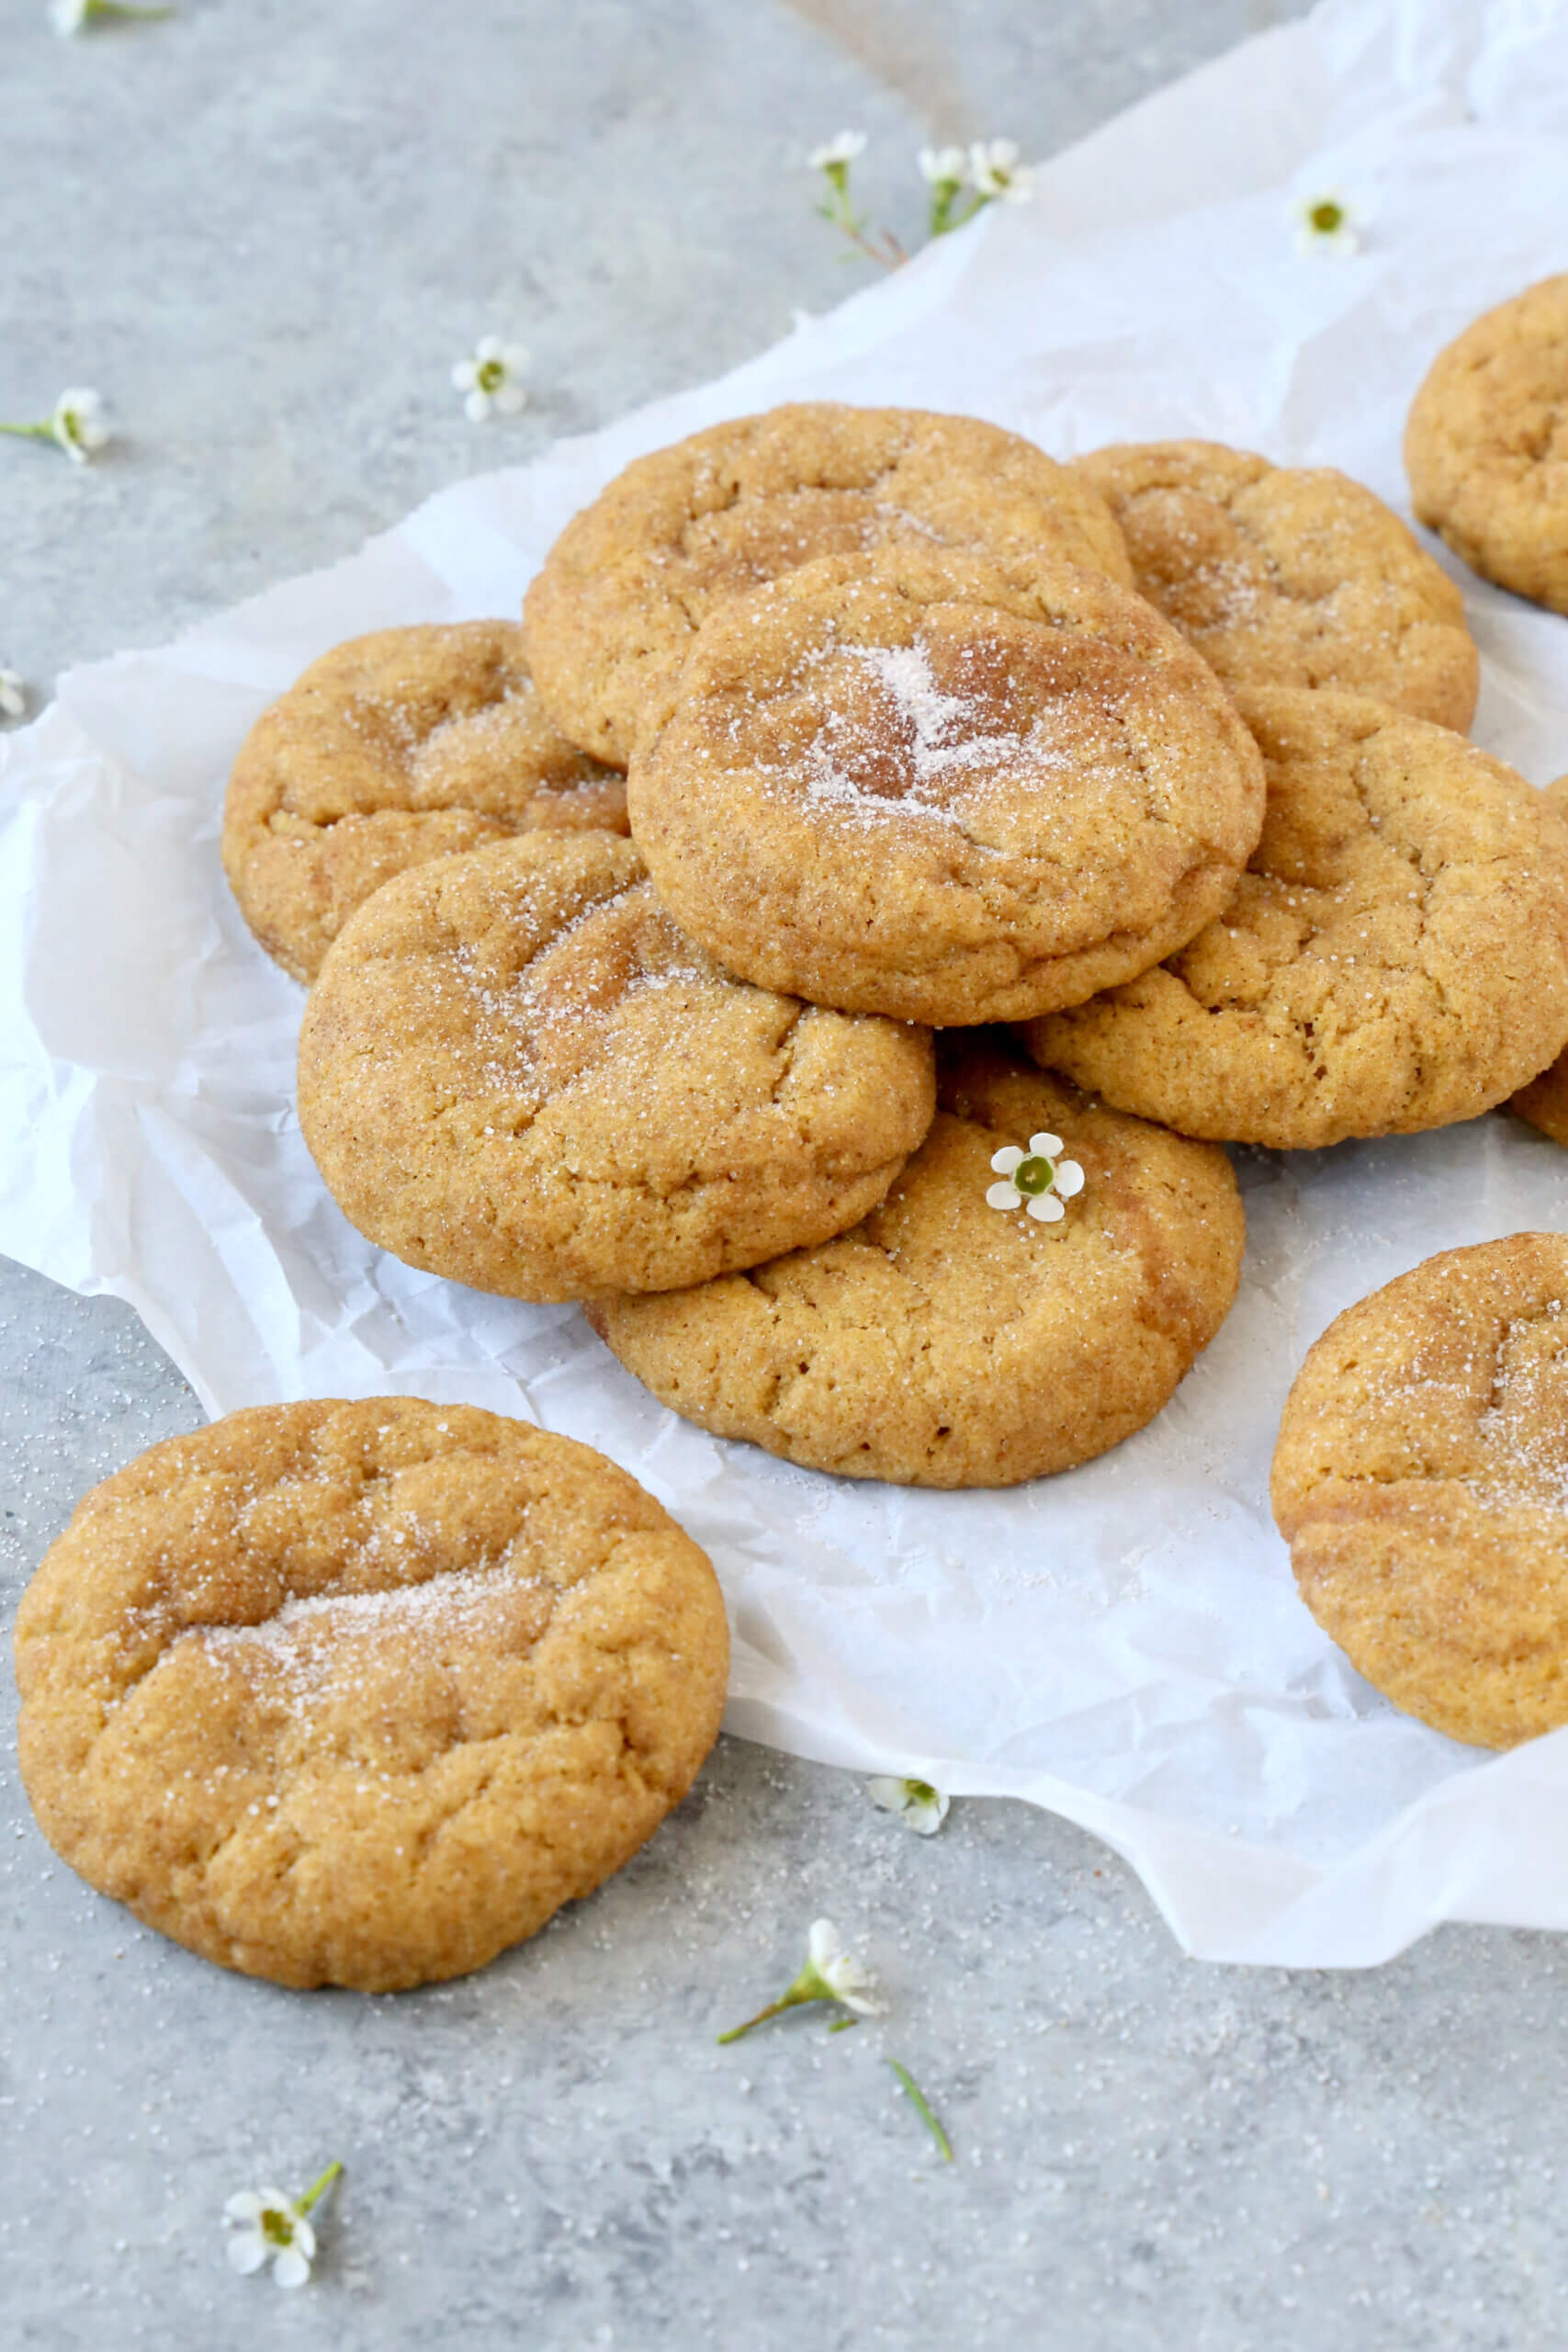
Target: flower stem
{"x": 913, "y": 2092}
{"x": 124, "y": 10}
{"x": 30, "y": 432}
{"x": 789, "y": 2000}
{"x": 317, "y": 2188}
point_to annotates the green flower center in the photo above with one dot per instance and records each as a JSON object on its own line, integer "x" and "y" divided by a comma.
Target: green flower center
{"x": 276, "y": 2227}
{"x": 1034, "y": 1176}
{"x": 1326, "y": 217}
{"x": 920, "y": 1792}
{"x": 493, "y": 375}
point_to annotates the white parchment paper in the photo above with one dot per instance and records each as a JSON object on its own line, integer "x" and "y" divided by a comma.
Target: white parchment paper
{"x": 1123, "y": 1643}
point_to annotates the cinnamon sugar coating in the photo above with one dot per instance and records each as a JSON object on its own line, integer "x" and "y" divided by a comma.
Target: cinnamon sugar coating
{"x": 917, "y": 784}
{"x": 514, "y": 1070}
{"x": 408, "y": 744}
{"x": 945, "y": 1343}
{"x": 1421, "y": 1481}
{"x": 632, "y": 577}
{"x": 1394, "y": 958}
{"x": 360, "y": 1694}
{"x": 1289, "y": 576}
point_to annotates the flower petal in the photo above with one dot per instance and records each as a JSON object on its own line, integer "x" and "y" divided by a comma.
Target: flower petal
{"x": 1047, "y": 1208}
{"x": 475, "y": 408}
{"x": 510, "y": 399}
{"x": 245, "y": 2206}
{"x": 926, "y": 1815}
{"x": 888, "y": 1794}
{"x": 465, "y": 375}
{"x": 291, "y": 2268}
{"x": 1003, "y": 1197}
{"x": 1007, "y": 1160}
{"x": 489, "y": 346}
{"x": 246, "y": 2252}
{"x": 304, "y": 2235}
{"x": 1045, "y": 1147}
{"x": 1069, "y": 1179}
{"x": 822, "y": 1944}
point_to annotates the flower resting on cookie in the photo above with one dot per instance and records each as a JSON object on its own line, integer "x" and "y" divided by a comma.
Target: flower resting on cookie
{"x": 1038, "y": 1180}
{"x": 77, "y": 422}
{"x": 266, "y": 2226}
{"x": 918, "y": 1806}
{"x": 490, "y": 379}
{"x": 831, "y": 1974}
{"x": 1325, "y": 224}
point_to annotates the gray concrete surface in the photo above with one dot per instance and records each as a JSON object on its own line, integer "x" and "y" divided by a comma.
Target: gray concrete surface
{"x": 265, "y": 232}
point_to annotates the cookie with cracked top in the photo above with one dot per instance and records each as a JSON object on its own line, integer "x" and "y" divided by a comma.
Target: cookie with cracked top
{"x": 1421, "y": 1482}
{"x": 1394, "y": 958}
{"x": 918, "y": 784}
{"x": 515, "y": 1070}
{"x": 360, "y": 1694}
{"x": 1486, "y": 445}
{"x": 957, "y": 1337}
{"x": 631, "y": 578}
{"x": 1290, "y": 575}
{"x": 408, "y": 744}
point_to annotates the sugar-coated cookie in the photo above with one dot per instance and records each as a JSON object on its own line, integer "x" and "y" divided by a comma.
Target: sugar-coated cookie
{"x": 405, "y": 745}
{"x": 631, "y": 577}
{"x": 1289, "y": 576}
{"x": 361, "y": 1693}
{"x": 1486, "y": 445}
{"x": 1394, "y": 958}
{"x": 963, "y": 1335}
{"x": 514, "y": 1070}
{"x": 1421, "y": 1481}
{"x": 915, "y": 784}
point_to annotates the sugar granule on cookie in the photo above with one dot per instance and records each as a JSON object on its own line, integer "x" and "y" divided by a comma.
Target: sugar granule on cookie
{"x": 360, "y": 1694}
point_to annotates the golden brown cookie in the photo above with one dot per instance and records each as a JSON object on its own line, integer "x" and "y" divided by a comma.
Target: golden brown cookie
{"x": 632, "y": 577}
{"x": 1421, "y": 1482}
{"x": 516, "y": 1071}
{"x": 361, "y": 1693}
{"x": 405, "y": 745}
{"x": 1486, "y": 445}
{"x": 1289, "y": 576}
{"x": 915, "y": 785}
{"x": 952, "y": 1339}
{"x": 1395, "y": 957}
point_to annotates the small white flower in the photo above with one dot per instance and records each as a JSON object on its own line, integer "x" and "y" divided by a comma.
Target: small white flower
{"x": 997, "y": 171}
{"x": 78, "y": 424}
{"x": 13, "y": 693}
{"x": 839, "y": 151}
{"x": 919, "y": 1807}
{"x": 266, "y": 2226}
{"x": 1325, "y": 224}
{"x": 944, "y": 166}
{"x": 1038, "y": 1179}
{"x": 490, "y": 379}
{"x": 831, "y": 1974}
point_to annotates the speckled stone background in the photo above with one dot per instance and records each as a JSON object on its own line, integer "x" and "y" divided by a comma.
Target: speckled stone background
{"x": 265, "y": 232}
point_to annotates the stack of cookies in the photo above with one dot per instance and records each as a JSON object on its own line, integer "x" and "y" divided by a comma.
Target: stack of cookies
{"x": 1155, "y": 759}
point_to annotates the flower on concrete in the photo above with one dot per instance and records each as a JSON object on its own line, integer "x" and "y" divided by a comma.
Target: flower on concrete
{"x": 1325, "y": 224}
{"x": 77, "y": 422}
{"x": 490, "y": 379}
{"x": 1039, "y": 1180}
{"x": 919, "y": 1807}
{"x": 831, "y": 1974}
{"x": 997, "y": 172}
{"x": 71, "y": 17}
{"x": 13, "y": 694}
{"x": 266, "y": 2226}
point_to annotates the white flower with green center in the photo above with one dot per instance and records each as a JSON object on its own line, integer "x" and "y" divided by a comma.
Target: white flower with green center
{"x": 831, "y": 1974}
{"x": 13, "y": 693}
{"x": 72, "y": 17}
{"x": 919, "y": 1807}
{"x": 945, "y": 171}
{"x": 835, "y": 155}
{"x": 266, "y": 2226}
{"x": 998, "y": 174}
{"x": 1325, "y": 224}
{"x": 76, "y": 424}
{"x": 490, "y": 379}
{"x": 1038, "y": 1180}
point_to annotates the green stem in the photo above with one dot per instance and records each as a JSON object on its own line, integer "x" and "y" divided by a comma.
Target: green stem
{"x": 125, "y": 12}
{"x": 913, "y": 2091}
{"x": 317, "y": 2188}
{"x": 30, "y": 432}
{"x": 790, "y": 2000}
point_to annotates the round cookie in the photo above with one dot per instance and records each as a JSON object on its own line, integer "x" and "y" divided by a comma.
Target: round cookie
{"x": 1486, "y": 445}
{"x": 361, "y": 1693}
{"x": 1394, "y": 958}
{"x": 1289, "y": 576}
{"x": 516, "y": 1071}
{"x": 629, "y": 580}
{"x": 1421, "y": 1482}
{"x": 950, "y": 1341}
{"x": 918, "y": 785}
{"x": 405, "y": 745}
